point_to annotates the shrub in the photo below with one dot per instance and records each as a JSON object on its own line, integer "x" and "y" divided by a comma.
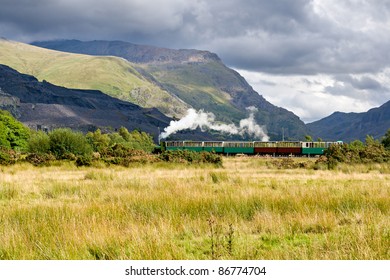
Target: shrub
{"x": 84, "y": 161}
{"x": 357, "y": 152}
{"x": 39, "y": 143}
{"x": 7, "y": 156}
{"x": 40, "y": 159}
{"x": 119, "y": 150}
{"x": 285, "y": 163}
{"x": 374, "y": 151}
{"x": 185, "y": 156}
{"x": 65, "y": 142}
{"x": 211, "y": 158}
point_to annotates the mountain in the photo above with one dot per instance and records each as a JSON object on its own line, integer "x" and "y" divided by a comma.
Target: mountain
{"x": 42, "y": 104}
{"x": 199, "y": 78}
{"x": 351, "y": 126}
{"x": 111, "y": 75}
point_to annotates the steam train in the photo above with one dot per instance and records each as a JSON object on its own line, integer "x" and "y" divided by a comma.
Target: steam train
{"x": 273, "y": 148}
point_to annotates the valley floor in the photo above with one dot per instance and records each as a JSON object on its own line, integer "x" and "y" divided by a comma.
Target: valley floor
{"x": 246, "y": 209}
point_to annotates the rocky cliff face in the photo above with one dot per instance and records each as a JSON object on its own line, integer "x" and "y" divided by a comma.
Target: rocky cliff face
{"x": 9, "y": 103}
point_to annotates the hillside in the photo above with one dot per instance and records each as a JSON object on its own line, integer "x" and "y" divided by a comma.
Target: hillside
{"x": 199, "y": 78}
{"x": 46, "y": 105}
{"x": 111, "y": 75}
{"x": 352, "y": 126}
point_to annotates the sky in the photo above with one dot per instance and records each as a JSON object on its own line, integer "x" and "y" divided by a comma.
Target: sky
{"x": 312, "y": 57}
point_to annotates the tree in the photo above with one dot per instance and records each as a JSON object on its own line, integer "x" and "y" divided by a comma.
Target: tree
{"x": 374, "y": 151}
{"x": 308, "y": 138}
{"x": 3, "y": 136}
{"x": 99, "y": 142}
{"x": 13, "y": 134}
{"x": 124, "y": 133}
{"x": 386, "y": 140}
{"x": 133, "y": 140}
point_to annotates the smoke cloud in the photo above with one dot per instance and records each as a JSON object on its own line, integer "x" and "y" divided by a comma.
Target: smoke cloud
{"x": 206, "y": 120}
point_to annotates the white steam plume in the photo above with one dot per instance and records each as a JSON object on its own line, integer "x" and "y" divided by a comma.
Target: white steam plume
{"x": 205, "y": 120}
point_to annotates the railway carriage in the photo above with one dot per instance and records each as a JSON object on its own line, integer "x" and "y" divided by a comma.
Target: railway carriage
{"x": 238, "y": 148}
{"x": 316, "y": 148}
{"x": 274, "y": 148}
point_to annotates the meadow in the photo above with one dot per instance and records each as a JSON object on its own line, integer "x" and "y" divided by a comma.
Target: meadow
{"x": 246, "y": 209}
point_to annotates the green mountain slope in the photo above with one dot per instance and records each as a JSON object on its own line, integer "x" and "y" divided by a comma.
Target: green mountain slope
{"x": 197, "y": 77}
{"x": 111, "y": 75}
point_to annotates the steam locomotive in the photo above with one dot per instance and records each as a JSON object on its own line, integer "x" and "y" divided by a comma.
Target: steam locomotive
{"x": 273, "y": 148}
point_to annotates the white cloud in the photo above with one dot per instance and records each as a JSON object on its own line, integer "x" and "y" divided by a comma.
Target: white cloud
{"x": 313, "y": 97}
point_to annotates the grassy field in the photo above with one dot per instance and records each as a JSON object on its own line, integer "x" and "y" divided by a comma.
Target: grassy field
{"x": 246, "y": 209}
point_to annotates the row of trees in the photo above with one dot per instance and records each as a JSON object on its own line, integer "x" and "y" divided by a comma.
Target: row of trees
{"x": 63, "y": 143}
{"x": 122, "y": 147}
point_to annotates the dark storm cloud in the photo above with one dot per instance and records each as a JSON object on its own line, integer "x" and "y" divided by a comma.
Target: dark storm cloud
{"x": 280, "y": 37}
{"x": 298, "y": 48}
{"x": 89, "y": 19}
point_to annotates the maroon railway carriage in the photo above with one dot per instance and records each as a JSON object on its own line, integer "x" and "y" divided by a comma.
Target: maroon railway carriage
{"x": 278, "y": 148}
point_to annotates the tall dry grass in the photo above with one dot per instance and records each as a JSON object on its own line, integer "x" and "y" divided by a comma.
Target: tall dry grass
{"x": 245, "y": 210}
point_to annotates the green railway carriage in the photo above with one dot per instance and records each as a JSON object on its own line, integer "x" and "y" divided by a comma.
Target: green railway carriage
{"x": 194, "y": 146}
{"x": 238, "y": 148}
{"x": 216, "y": 147}
{"x": 315, "y": 148}
{"x": 273, "y": 148}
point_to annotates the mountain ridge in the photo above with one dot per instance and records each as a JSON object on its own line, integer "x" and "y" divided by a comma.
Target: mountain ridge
{"x": 353, "y": 126}
{"x": 199, "y": 78}
{"x": 134, "y": 52}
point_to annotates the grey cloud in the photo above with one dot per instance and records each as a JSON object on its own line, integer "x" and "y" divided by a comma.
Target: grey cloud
{"x": 363, "y": 83}
{"x": 280, "y": 37}
{"x": 363, "y": 88}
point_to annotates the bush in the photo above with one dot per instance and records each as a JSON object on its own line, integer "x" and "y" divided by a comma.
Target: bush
{"x": 40, "y": 159}
{"x": 65, "y": 142}
{"x": 374, "y": 152}
{"x": 7, "y": 156}
{"x": 357, "y": 152}
{"x": 39, "y": 143}
{"x": 84, "y": 161}
{"x": 211, "y": 158}
{"x": 185, "y": 156}
{"x": 119, "y": 150}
